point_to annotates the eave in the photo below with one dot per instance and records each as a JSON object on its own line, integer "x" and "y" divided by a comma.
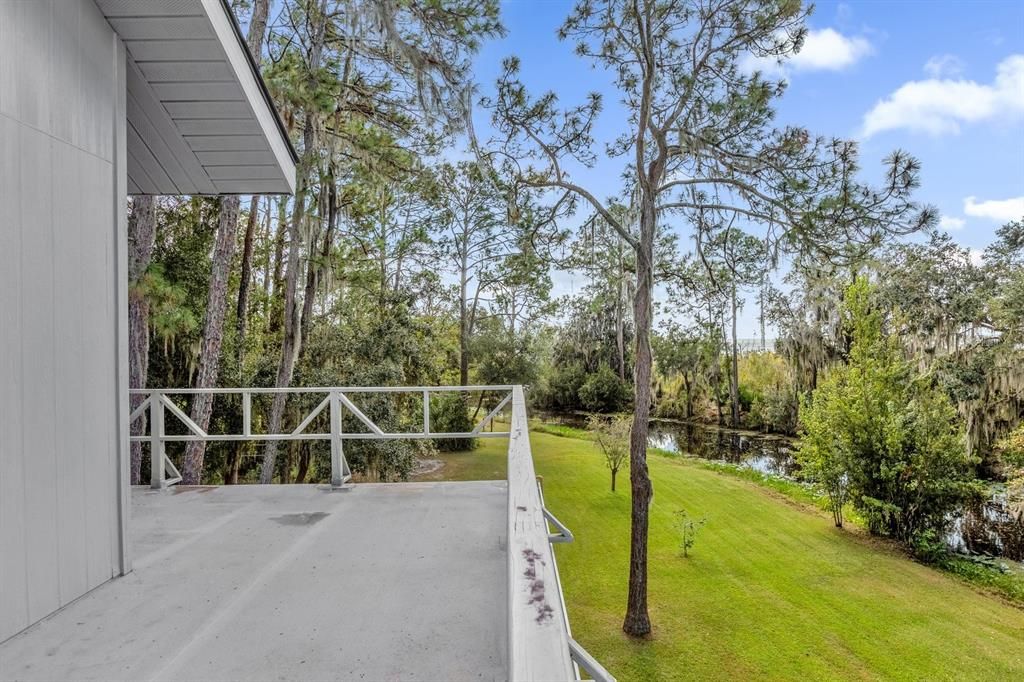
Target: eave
{"x": 200, "y": 118}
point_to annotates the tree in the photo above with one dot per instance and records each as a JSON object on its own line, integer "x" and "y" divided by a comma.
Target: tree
{"x": 607, "y": 260}
{"x": 883, "y": 436}
{"x": 254, "y": 39}
{"x": 474, "y": 242}
{"x": 684, "y": 353}
{"x": 698, "y": 135}
{"x": 314, "y": 18}
{"x": 612, "y": 435}
{"x": 216, "y": 300}
{"x": 743, "y": 263}
{"x": 821, "y": 451}
{"x": 696, "y": 290}
{"x": 811, "y": 337}
{"x": 141, "y": 238}
{"x": 213, "y": 335}
{"x": 964, "y": 322}
{"x": 359, "y": 74}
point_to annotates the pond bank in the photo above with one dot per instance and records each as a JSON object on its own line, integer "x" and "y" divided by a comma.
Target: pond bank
{"x": 991, "y": 528}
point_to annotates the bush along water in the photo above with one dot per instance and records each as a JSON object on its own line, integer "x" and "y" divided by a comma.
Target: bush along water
{"x": 884, "y": 438}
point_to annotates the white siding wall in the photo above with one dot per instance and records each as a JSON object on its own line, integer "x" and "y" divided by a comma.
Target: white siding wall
{"x": 61, "y": 393}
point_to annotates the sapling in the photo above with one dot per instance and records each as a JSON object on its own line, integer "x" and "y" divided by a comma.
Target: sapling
{"x": 688, "y": 529}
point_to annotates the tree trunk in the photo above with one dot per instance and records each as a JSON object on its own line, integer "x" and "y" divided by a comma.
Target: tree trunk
{"x": 304, "y": 456}
{"x": 233, "y": 462}
{"x": 257, "y": 29}
{"x": 314, "y": 272}
{"x": 464, "y": 316}
{"x": 254, "y": 41}
{"x": 292, "y": 341}
{"x": 141, "y": 239}
{"x": 734, "y": 378}
{"x": 268, "y": 268}
{"x": 213, "y": 334}
{"x": 242, "y": 308}
{"x": 637, "y": 622}
{"x": 614, "y": 472}
{"x": 291, "y": 344}
{"x": 760, "y": 317}
{"x": 309, "y": 289}
{"x": 273, "y": 320}
{"x": 689, "y": 396}
{"x": 289, "y": 347}
{"x": 620, "y": 322}
{"x": 216, "y": 300}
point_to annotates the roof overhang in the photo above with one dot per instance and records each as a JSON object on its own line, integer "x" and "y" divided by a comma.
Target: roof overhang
{"x": 200, "y": 119}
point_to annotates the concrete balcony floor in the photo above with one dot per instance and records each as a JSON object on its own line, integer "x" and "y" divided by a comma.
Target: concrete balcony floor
{"x": 375, "y": 582}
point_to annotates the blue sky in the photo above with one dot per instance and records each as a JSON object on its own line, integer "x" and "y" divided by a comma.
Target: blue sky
{"x": 941, "y": 80}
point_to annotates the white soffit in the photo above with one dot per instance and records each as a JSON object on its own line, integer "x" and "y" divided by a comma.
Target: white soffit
{"x": 200, "y": 120}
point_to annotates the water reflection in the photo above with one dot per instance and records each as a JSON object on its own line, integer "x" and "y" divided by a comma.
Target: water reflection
{"x": 994, "y": 527}
{"x": 768, "y": 454}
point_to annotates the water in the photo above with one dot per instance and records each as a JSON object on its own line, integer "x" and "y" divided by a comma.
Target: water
{"x": 993, "y": 528}
{"x": 766, "y": 453}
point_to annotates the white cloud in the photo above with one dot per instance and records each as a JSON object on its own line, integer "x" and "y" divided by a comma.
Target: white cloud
{"x": 823, "y": 50}
{"x": 829, "y": 50}
{"x": 948, "y": 222}
{"x": 1002, "y": 210}
{"x": 944, "y": 66}
{"x": 939, "y": 106}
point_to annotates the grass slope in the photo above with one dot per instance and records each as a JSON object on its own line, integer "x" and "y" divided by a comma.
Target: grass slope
{"x": 771, "y": 589}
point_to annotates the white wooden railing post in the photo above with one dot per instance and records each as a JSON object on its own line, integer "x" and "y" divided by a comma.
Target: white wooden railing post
{"x": 246, "y": 413}
{"x": 337, "y": 475}
{"x": 156, "y": 441}
{"x": 426, "y": 412}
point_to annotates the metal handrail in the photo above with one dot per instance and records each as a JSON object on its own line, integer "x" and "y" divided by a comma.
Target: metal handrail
{"x": 583, "y": 659}
{"x": 580, "y": 657}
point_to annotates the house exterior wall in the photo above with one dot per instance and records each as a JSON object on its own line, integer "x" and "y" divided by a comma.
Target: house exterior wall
{"x": 62, "y": 243}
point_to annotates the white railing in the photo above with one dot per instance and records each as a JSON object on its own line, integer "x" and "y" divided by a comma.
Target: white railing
{"x": 540, "y": 645}
{"x": 336, "y": 400}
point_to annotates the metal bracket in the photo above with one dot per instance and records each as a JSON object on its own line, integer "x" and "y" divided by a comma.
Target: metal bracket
{"x": 563, "y": 534}
{"x": 175, "y": 476}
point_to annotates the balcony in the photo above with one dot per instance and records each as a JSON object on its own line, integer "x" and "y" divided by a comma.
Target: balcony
{"x": 396, "y": 581}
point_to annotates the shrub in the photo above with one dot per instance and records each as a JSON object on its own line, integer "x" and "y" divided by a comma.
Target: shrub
{"x": 564, "y": 387}
{"x": 604, "y": 391}
{"x": 776, "y": 410}
{"x": 449, "y": 413}
{"x": 747, "y": 397}
{"x": 929, "y": 547}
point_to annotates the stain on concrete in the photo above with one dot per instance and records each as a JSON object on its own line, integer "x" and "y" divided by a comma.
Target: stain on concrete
{"x": 300, "y": 519}
{"x": 201, "y": 489}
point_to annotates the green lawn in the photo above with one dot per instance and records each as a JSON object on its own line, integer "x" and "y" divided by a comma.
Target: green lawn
{"x": 771, "y": 589}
